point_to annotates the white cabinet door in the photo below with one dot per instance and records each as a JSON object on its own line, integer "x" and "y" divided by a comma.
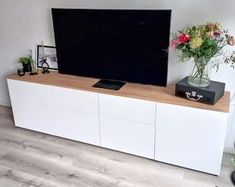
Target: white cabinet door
{"x": 129, "y": 109}
{"x": 75, "y": 125}
{"x": 76, "y": 114}
{"x": 134, "y": 138}
{"x": 190, "y": 137}
{"x": 31, "y": 104}
{"x": 72, "y": 99}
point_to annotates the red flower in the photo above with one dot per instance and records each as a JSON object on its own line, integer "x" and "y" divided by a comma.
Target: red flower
{"x": 183, "y": 38}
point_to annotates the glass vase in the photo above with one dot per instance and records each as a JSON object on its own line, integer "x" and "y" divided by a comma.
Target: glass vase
{"x": 200, "y": 73}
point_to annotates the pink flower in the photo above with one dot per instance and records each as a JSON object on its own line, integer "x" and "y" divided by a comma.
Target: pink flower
{"x": 231, "y": 40}
{"x": 217, "y": 33}
{"x": 211, "y": 34}
{"x": 174, "y": 43}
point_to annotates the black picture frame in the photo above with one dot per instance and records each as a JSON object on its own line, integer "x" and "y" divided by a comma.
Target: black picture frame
{"x": 50, "y": 55}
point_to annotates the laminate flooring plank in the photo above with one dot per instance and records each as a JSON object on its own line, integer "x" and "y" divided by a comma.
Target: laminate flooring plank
{"x": 98, "y": 167}
{"x": 221, "y": 181}
{"x": 14, "y": 178}
{"x": 98, "y": 154}
{"x": 50, "y": 172}
{"x": 29, "y": 158}
{"x": 98, "y": 162}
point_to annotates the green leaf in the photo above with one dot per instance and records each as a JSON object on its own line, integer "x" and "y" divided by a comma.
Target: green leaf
{"x": 180, "y": 46}
{"x": 233, "y": 161}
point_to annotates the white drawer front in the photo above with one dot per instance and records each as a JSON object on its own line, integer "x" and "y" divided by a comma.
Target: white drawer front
{"x": 77, "y": 126}
{"x": 72, "y": 99}
{"x": 128, "y": 137}
{"x": 127, "y": 109}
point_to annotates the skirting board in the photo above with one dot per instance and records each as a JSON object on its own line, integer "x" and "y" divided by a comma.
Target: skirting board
{"x": 229, "y": 150}
{"x": 5, "y": 103}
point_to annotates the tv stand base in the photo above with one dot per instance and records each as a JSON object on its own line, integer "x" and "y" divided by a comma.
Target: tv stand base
{"x": 109, "y": 84}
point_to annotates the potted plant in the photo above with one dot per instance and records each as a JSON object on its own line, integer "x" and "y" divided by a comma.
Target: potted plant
{"x": 26, "y": 62}
{"x": 206, "y": 44}
{"x": 233, "y": 173}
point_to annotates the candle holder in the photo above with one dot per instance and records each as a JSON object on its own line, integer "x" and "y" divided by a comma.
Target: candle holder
{"x": 21, "y": 72}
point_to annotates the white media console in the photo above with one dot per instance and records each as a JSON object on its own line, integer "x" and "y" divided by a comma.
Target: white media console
{"x": 143, "y": 120}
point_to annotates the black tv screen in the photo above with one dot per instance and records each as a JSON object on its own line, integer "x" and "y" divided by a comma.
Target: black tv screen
{"x": 125, "y": 45}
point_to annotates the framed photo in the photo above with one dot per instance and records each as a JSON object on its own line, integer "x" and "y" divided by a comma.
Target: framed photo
{"x": 49, "y": 54}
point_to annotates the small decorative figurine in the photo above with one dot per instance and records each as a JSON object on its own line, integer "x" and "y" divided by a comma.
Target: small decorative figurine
{"x": 45, "y": 65}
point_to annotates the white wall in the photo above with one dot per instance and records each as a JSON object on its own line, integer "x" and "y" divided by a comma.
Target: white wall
{"x": 25, "y": 23}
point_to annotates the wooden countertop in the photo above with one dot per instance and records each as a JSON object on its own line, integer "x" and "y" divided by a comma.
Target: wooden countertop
{"x": 139, "y": 91}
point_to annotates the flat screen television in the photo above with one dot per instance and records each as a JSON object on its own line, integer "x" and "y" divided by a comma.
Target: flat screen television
{"x": 124, "y": 45}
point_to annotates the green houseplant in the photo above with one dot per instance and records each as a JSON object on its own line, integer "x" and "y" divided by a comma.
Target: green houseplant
{"x": 233, "y": 173}
{"x": 27, "y": 62}
{"x": 206, "y": 44}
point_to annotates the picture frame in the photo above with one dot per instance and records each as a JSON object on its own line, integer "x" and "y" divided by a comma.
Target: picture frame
{"x": 50, "y": 55}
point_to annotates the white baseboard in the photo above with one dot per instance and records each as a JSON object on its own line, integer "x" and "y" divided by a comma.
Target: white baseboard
{"x": 229, "y": 150}
{"x": 5, "y": 103}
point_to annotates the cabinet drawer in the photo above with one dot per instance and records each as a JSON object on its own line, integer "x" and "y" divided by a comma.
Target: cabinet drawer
{"x": 79, "y": 126}
{"x": 174, "y": 114}
{"x": 127, "y": 109}
{"x": 129, "y": 137}
{"x": 72, "y": 99}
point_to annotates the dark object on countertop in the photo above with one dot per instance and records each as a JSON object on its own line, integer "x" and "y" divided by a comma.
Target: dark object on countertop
{"x": 21, "y": 72}
{"x": 45, "y": 67}
{"x": 33, "y": 73}
{"x": 109, "y": 84}
{"x": 27, "y": 67}
{"x": 208, "y": 95}
{"x": 233, "y": 177}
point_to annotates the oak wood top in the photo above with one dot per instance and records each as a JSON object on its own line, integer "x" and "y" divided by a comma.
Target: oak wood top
{"x": 133, "y": 90}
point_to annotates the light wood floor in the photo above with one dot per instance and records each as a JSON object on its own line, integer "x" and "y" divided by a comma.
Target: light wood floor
{"x": 29, "y": 158}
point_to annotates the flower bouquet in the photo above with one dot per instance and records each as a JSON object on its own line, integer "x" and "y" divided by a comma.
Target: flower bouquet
{"x": 204, "y": 44}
